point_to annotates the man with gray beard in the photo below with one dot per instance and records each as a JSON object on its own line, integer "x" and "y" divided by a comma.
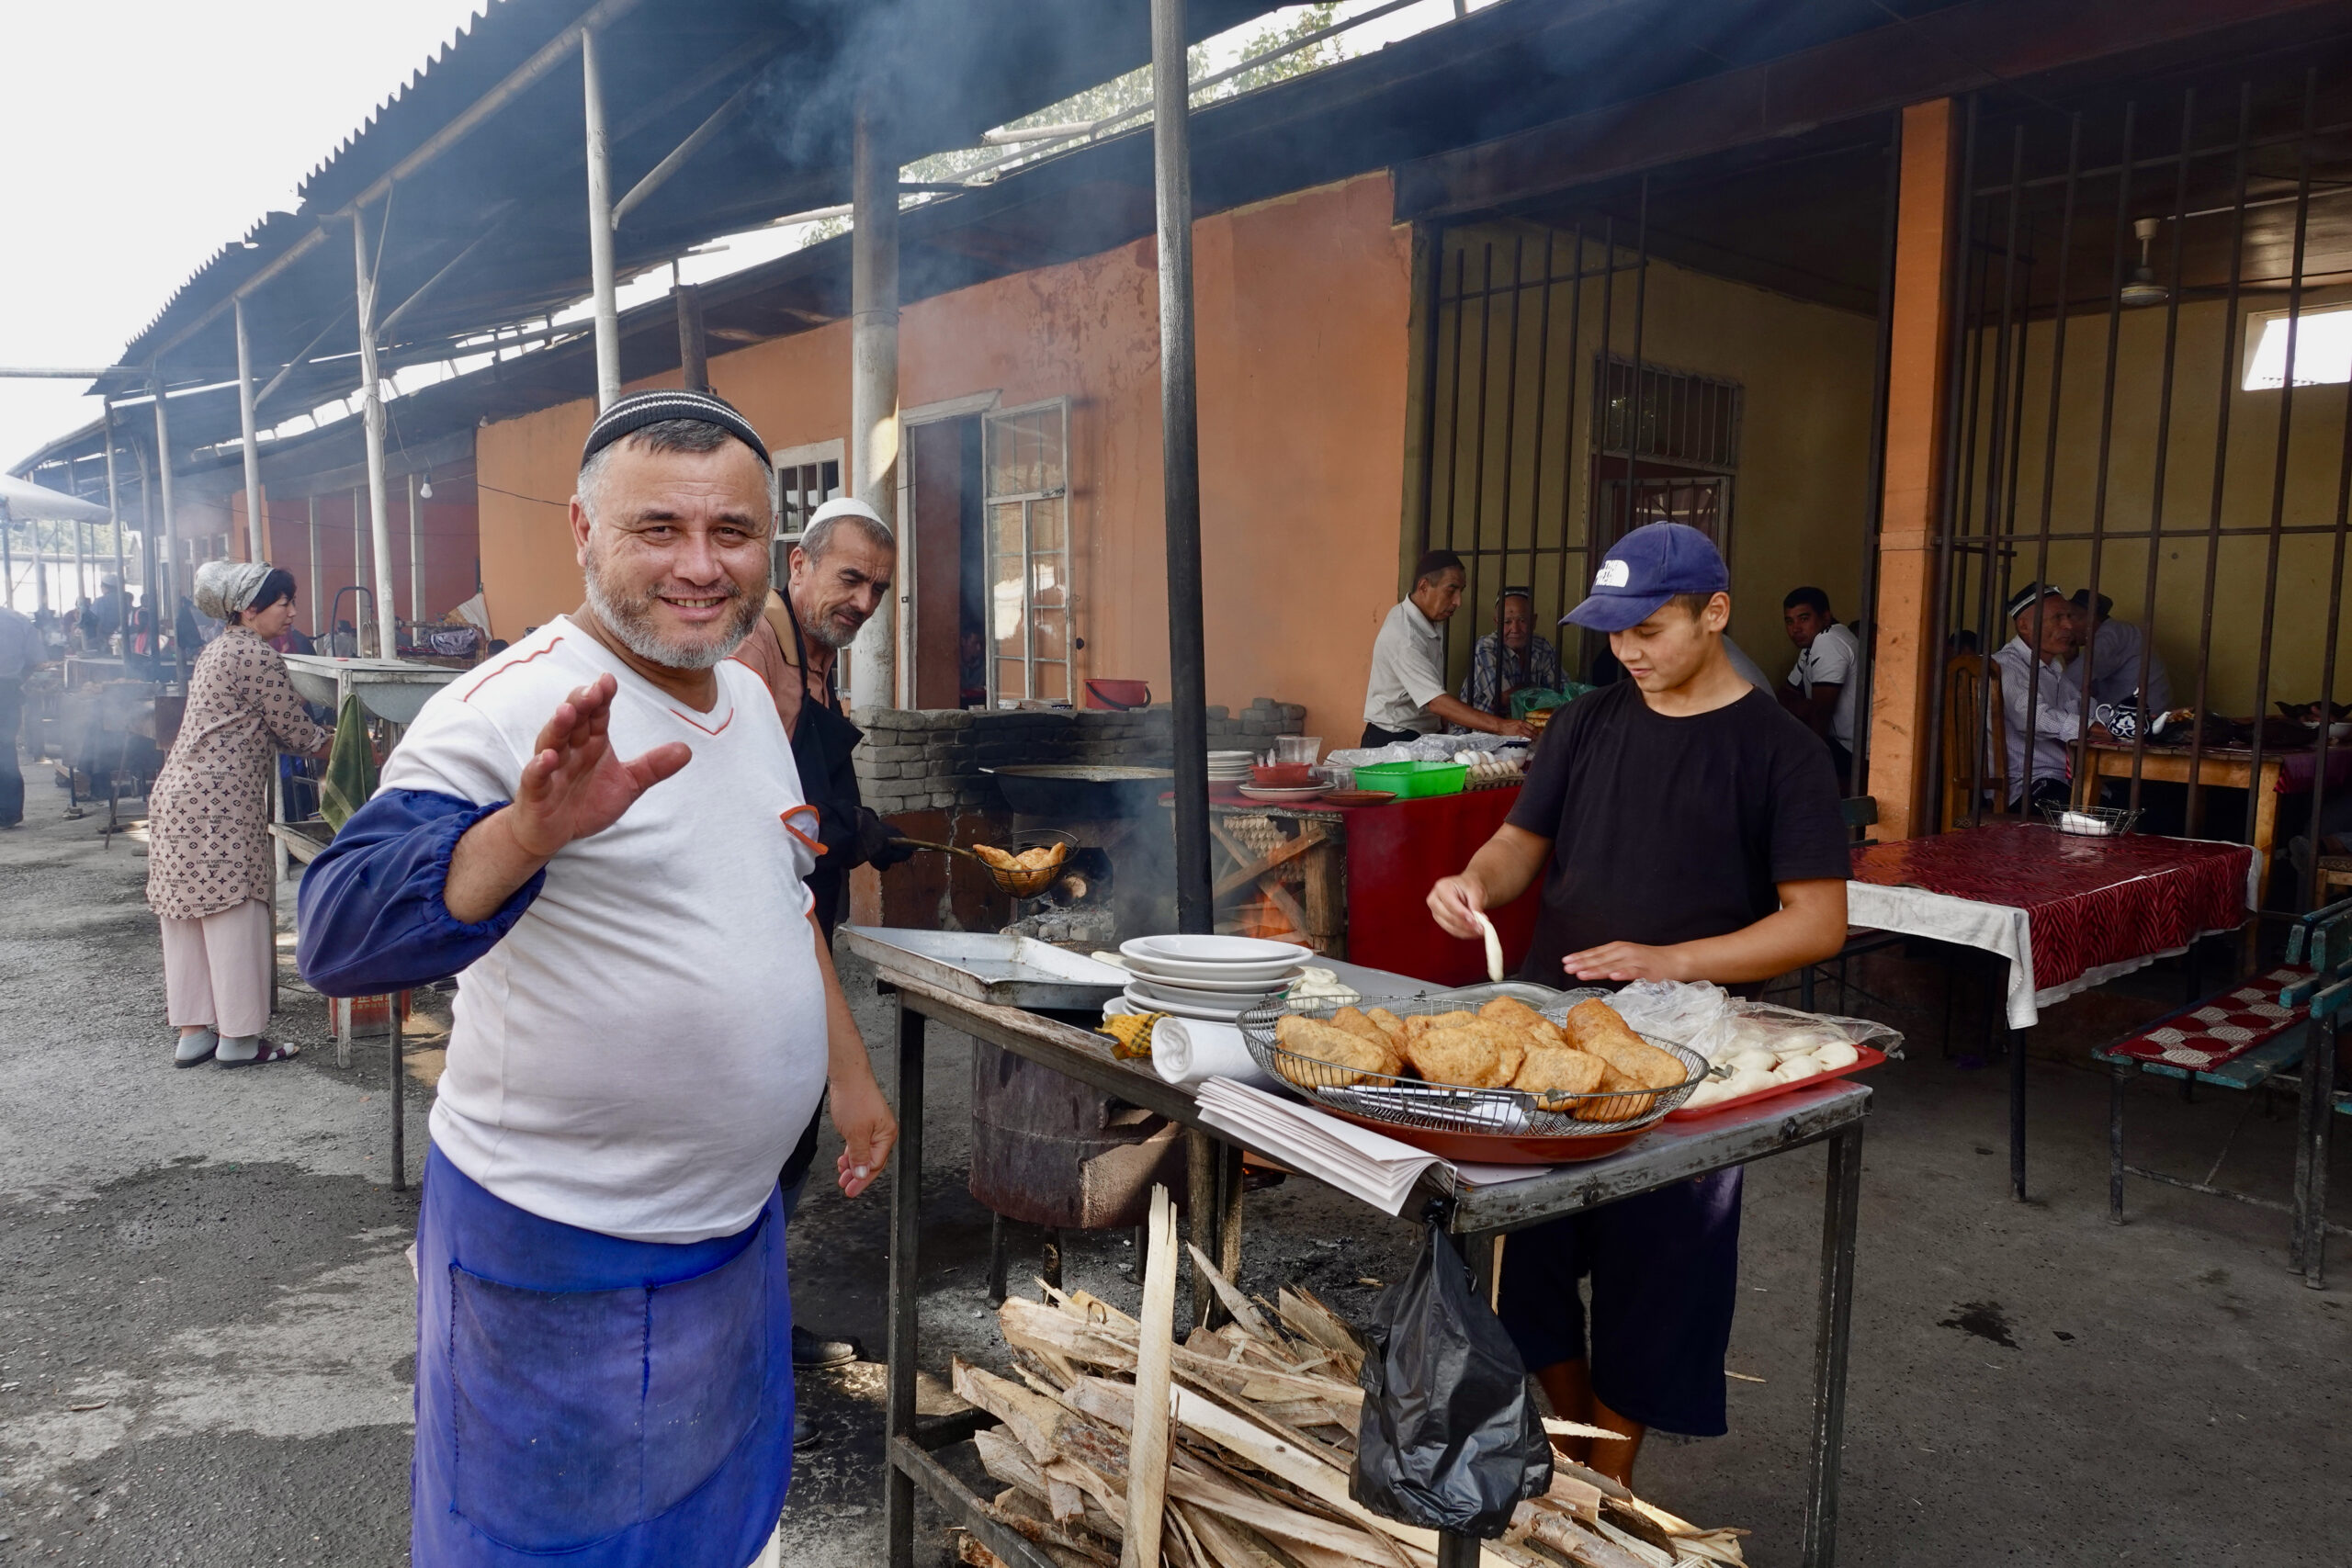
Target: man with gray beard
{"x": 602, "y": 832}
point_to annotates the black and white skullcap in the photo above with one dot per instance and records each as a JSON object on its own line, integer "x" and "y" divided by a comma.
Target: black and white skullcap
{"x": 635, "y": 411}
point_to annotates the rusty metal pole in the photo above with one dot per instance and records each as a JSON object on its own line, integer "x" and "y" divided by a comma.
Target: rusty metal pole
{"x": 372, "y": 408}
{"x": 114, "y": 526}
{"x": 600, "y": 226}
{"x": 314, "y": 565}
{"x": 415, "y": 559}
{"x": 694, "y": 354}
{"x": 165, "y": 605}
{"x": 1181, "y": 466}
{"x": 874, "y": 378}
{"x": 254, "y": 546}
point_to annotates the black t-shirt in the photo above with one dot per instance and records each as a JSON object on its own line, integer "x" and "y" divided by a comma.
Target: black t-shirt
{"x": 1671, "y": 829}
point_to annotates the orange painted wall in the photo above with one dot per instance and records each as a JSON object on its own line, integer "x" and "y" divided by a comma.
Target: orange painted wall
{"x": 1302, "y": 308}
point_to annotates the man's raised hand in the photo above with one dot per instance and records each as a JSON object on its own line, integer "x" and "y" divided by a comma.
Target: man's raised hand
{"x": 573, "y": 786}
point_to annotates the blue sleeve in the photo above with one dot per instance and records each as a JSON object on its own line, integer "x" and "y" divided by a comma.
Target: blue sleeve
{"x": 373, "y": 920}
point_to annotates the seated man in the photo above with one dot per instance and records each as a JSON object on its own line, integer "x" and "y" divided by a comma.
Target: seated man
{"x": 2115, "y": 648}
{"x": 2044, "y": 626}
{"x": 1511, "y": 656}
{"x": 1405, "y": 697}
{"x": 603, "y": 831}
{"x": 1827, "y": 680}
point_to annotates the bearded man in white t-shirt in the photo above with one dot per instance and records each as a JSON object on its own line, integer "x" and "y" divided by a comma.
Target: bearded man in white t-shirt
{"x": 602, "y": 832}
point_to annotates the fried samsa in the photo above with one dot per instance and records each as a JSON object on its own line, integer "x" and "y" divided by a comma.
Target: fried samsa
{"x": 1353, "y": 1057}
{"x": 1355, "y": 1021}
{"x": 1595, "y": 1029}
{"x": 1555, "y": 1073}
{"x": 1418, "y": 1026}
{"x": 1390, "y": 1024}
{"x": 1463, "y": 1056}
{"x": 1509, "y": 1012}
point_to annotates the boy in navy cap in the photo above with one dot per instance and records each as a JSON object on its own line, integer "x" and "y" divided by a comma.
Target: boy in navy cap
{"x": 1686, "y": 828}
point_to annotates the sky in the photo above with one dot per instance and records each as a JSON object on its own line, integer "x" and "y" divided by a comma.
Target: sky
{"x": 126, "y": 137}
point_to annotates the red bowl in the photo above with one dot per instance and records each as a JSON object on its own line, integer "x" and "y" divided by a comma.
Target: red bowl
{"x": 1282, "y": 775}
{"x": 1108, "y": 693}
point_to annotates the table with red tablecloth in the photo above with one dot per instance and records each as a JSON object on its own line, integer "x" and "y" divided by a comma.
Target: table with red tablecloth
{"x": 1395, "y": 852}
{"x": 2066, "y": 912}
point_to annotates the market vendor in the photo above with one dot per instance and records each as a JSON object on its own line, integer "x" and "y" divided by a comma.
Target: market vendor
{"x": 1511, "y": 656}
{"x": 1405, "y": 697}
{"x": 601, "y": 830}
{"x": 841, "y": 573}
{"x": 1689, "y": 830}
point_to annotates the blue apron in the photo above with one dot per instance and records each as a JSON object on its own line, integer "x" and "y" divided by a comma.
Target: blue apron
{"x": 591, "y": 1402}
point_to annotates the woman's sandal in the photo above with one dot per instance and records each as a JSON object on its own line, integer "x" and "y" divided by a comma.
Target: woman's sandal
{"x": 271, "y": 1051}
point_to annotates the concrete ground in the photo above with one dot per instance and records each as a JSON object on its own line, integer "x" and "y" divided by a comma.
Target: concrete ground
{"x": 207, "y": 1330}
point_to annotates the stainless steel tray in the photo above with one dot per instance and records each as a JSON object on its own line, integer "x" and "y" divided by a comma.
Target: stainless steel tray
{"x": 984, "y": 967}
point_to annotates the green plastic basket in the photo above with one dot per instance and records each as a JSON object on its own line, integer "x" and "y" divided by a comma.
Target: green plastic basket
{"x": 1412, "y": 781}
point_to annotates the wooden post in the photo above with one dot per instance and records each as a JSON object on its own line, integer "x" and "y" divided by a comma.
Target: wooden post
{"x": 1904, "y": 663}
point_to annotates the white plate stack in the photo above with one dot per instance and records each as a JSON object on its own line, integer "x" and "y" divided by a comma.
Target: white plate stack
{"x": 1230, "y": 767}
{"x": 1214, "y": 978}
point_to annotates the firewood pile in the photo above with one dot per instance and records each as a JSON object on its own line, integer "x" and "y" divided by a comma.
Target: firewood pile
{"x": 1245, "y": 1464}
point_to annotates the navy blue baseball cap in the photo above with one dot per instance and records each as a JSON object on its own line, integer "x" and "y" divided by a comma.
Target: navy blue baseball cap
{"x": 1644, "y": 570}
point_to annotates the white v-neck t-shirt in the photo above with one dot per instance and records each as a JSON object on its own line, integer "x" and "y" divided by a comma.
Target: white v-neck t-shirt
{"x": 640, "y": 1053}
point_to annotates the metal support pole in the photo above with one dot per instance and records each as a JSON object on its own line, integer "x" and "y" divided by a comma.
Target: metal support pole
{"x": 1840, "y": 1214}
{"x": 371, "y": 393}
{"x": 874, "y": 377}
{"x": 600, "y": 227}
{"x": 8, "y": 558}
{"x": 905, "y": 1232}
{"x": 694, "y": 358}
{"x": 2017, "y": 1108}
{"x": 163, "y": 597}
{"x": 1181, "y": 466}
{"x": 400, "y": 1108}
{"x": 80, "y": 567}
{"x": 114, "y": 526}
{"x": 2315, "y": 1113}
{"x": 415, "y": 560}
{"x": 313, "y": 537}
{"x": 255, "y": 544}
{"x": 1200, "y": 1161}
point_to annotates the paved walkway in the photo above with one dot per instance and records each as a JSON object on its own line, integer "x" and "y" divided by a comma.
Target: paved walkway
{"x": 206, "y": 1328}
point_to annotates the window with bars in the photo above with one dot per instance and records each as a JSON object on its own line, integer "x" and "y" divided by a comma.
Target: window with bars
{"x": 1029, "y": 632}
{"x": 1671, "y": 416}
{"x": 805, "y": 478}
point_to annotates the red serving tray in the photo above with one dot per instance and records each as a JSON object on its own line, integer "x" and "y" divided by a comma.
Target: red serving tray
{"x": 1498, "y": 1148}
{"x": 1871, "y": 1056}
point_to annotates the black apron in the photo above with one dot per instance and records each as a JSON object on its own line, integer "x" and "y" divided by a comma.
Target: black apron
{"x": 822, "y": 740}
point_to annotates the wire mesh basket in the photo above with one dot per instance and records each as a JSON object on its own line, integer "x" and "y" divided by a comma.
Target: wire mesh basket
{"x": 2090, "y": 821}
{"x": 1453, "y": 1107}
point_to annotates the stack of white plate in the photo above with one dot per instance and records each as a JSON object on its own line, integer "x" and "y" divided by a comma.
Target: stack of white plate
{"x": 1217, "y": 978}
{"x": 1230, "y": 767}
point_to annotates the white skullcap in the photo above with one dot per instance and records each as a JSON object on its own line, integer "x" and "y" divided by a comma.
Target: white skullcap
{"x": 846, "y": 506}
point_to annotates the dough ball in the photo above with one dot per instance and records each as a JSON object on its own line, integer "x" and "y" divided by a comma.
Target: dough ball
{"x": 1747, "y": 1080}
{"x": 1754, "y": 1057}
{"x": 1833, "y": 1058}
{"x": 1796, "y": 1068}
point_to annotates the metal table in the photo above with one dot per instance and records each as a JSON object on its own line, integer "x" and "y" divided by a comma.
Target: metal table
{"x": 1476, "y": 1217}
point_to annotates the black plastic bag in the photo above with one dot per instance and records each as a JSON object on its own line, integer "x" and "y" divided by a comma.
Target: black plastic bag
{"x": 1448, "y": 1439}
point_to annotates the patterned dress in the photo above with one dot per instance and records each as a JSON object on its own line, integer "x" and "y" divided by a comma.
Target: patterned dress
{"x": 207, "y": 817}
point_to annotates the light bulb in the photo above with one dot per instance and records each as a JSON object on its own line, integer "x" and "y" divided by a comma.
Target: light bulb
{"x": 424, "y": 490}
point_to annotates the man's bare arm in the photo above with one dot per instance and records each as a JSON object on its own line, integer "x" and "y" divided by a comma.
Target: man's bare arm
{"x": 1453, "y": 710}
{"x": 1809, "y": 926}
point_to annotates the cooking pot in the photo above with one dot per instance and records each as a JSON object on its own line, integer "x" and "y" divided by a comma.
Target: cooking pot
{"x": 1081, "y": 791}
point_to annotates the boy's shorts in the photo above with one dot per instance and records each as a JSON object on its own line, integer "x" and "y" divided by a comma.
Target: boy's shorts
{"x": 1664, "y": 1269}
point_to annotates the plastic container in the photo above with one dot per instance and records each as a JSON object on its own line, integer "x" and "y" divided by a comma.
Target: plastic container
{"x": 1414, "y": 781}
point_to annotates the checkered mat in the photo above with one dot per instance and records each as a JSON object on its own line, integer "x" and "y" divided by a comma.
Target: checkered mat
{"x": 2218, "y": 1029}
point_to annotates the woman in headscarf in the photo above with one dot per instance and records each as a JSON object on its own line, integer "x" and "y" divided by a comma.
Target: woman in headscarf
{"x": 208, "y": 863}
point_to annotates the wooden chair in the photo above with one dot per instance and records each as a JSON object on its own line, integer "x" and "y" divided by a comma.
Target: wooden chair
{"x": 1973, "y": 726}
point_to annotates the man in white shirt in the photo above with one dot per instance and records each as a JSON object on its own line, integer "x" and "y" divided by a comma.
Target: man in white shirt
{"x": 2114, "y": 652}
{"x": 1828, "y": 679}
{"x": 2043, "y": 624}
{"x": 603, "y": 831}
{"x": 1407, "y": 696}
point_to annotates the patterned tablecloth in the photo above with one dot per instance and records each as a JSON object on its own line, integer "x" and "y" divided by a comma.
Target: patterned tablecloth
{"x": 2068, "y": 913}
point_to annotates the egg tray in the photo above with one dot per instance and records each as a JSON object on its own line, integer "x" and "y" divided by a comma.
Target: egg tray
{"x": 1453, "y": 1107}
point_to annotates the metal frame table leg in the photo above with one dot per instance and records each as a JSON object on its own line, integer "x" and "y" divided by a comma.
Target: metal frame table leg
{"x": 2316, "y": 1106}
{"x": 393, "y": 1004}
{"x": 2017, "y": 1114}
{"x": 1840, "y": 1211}
{"x": 906, "y": 1229}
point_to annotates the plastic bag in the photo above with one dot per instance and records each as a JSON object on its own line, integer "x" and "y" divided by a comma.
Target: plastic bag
{"x": 1786, "y": 1031}
{"x": 1448, "y": 1439}
{"x": 1672, "y": 1010}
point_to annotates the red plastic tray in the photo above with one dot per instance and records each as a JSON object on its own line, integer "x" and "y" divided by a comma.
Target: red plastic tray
{"x": 1870, "y": 1057}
